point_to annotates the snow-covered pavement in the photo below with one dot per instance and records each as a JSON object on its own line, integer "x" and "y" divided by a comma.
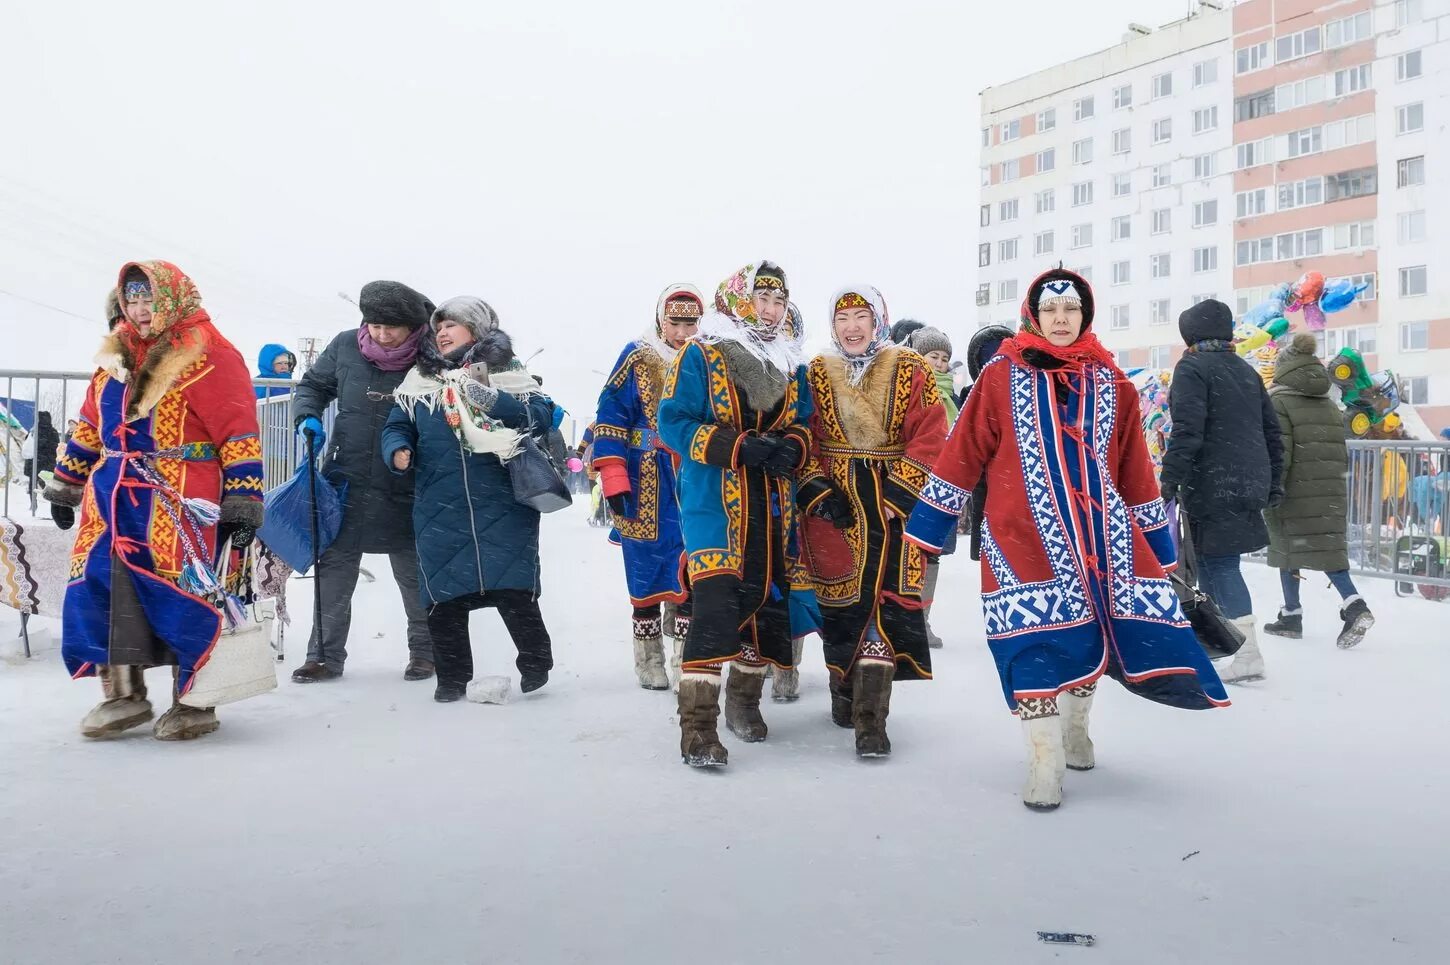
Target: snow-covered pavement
{"x": 359, "y": 822}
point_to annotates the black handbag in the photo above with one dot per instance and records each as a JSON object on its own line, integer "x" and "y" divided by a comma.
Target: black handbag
{"x": 1216, "y": 633}
{"x": 537, "y": 482}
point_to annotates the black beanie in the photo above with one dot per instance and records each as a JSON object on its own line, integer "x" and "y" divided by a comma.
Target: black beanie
{"x": 393, "y": 303}
{"x": 1208, "y": 319}
{"x": 902, "y": 330}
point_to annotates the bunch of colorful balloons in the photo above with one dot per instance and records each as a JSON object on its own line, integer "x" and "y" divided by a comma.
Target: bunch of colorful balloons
{"x": 1311, "y": 294}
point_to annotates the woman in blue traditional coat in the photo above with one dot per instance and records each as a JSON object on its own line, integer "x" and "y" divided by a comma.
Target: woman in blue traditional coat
{"x": 637, "y": 473}
{"x": 1075, "y": 540}
{"x": 735, "y": 407}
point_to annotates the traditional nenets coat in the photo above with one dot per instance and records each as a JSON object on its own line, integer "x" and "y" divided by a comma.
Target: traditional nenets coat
{"x": 638, "y": 473}
{"x": 1075, "y": 541}
{"x": 165, "y": 451}
{"x": 735, "y": 406}
{"x": 878, "y": 427}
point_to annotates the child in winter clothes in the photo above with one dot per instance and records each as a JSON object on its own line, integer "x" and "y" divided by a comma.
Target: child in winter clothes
{"x": 1307, "y": 530}
{"x": 1075, "y": 539}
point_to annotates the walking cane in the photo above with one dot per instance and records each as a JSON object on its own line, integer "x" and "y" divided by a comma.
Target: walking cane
{"x": 316, "y": 540}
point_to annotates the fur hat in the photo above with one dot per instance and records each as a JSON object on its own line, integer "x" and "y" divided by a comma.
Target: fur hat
{"x": 902, "y": 331}
{"x": 393, "y": 303}
{"x": 983, "y": 345}
{"x": 113, "y": 308}
{"x": 929, "y": 339}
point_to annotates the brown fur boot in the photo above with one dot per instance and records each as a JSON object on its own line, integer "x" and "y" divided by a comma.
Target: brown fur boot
{"x": 184, "y": 723}
{"x": 872, "y": 693}
{"x": 841, "y": 701}
{"x": 742, "y": 703}
{"x": 125, "y": 705}
{"x": 699, "y": 711}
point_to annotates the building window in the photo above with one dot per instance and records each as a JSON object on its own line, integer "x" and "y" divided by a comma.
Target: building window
{"x": 1160, "y": 266}
{"x": 1298, "y": 194}
{"x": 1082, "y": 193}
{"x": 1414, "y": 336}
{"x": 1251, "y": 58}
{"x": 1163, "y": 130}
{"x": 1205, "y": 166}
{"x": 986, "y": 215}
{"x": 1253, "y": 153}
{"x": 1293, "y": 245}
{"x": 1417, "y": 390}
{"x": 1249, "y": 297}
{"x": 1350, "y": 131}
{"x": 1408, "y": 12}
{"x": 1205, "y": 119}
{"x": 1120, "y": 317}
{"x": 1410, "y": 118}
{"x": 984, "y": 293}
{"x": 1160, "y": 357}
{"x": 1122, "y": 272}
{"x": 1350, "y": 30}
{"x": 1254, "y": 252}
{"x": 1250, "y": 106}
{"x": 1085, "y": 273}
{"x": 1162, "y": 221}
{"x": 1368, "y": 295}
{"x": 1412, "y": 227}
{"x": 1162, "y": 86}
{"x": 1122, "y": 228}
{"x": 1411, "y": 171}
{"x": 1122, "y": 185}
{"x": 1409, "y": 65}
{"x": 1082, "y": 151}
{"x": 1082, "y": 109}
{"x": 1302, "y": 143}
{"x": 986, "y": 137}
{"x": 1297, "y": 45}
{"x": 1082, "y": 236}
{"x": 1011, "y": 130}
{"x": 986, "y": 175}
{"x": 1008, "y": 210}
{"x": 1158, "y": 311}
{"x": 1205, "y": 259}
{"x": 1122, "y": 141}
{"x": 1162, "y": 175}
{"x": 1121, "y": 358}
{"x": 1007, "y": 291}
{"x": 1011, "y": 170}
{"x": 1122, "y": 97}
{"x": 1042, "y": 243}
{"x": 1205, "y": 72}
{"x": 1046, "y": 201}
{"x": 1356, "y": 234}
{"x": 1199, "y": 299}
{"x": 1205, "y": 213}
{"x": 1007, "y": 249}
{"x": 984, "y": 254}
{"x": 1047, "y": 120}
{"x": 1250, "y": 204}
{"x": 1351, "y": 184}
{"x": 1300, "y": 93}
{"x": 1363, "y": 340}
{"x": 1412, "y": 281}
{"x": 1046, "y": 160}
{"x": 1352, "y": 80}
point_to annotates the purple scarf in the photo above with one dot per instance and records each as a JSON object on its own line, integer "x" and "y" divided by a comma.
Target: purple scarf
{"x": 395, "y": 359}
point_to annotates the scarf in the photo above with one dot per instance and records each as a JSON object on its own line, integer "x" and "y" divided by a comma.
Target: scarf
{"x": 394, "y": 359}
{"x": 1212, "y": 345}
{"x": 781, "y": 354}
{"x": 867, "y": 297}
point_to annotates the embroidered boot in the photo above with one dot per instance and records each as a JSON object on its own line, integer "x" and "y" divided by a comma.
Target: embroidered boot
{"x": 649, "y": 664}
{"x": 786, "y": 685}
{"x": 125, "y": 705}
{"x": 1076, "y": 704}
{"x": 841, "y": 701}
{"x": 1357, "y": 621}
{"x": 699, "y": 708}
{"x": 1046, "y": 761}
{"x": 742, "y": 702}
{"x": 928, "y": 594}
{"x": 870, "y": 706}
{"x": 1248, "y": 663}
{"x": 184, "y": 723}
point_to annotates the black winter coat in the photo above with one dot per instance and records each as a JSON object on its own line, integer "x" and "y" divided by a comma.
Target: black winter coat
{"x": 378, "y": 511}
{"x": 1224, "y": 455}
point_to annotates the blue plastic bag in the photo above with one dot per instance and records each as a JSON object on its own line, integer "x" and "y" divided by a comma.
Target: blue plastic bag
{"x": 287, "y": 527}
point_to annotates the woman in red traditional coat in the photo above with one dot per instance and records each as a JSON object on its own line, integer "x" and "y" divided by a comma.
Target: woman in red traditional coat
{"x": 878, "y": 426}
{"x": 165, "y": 465}
{"x": 1075, "y": 542}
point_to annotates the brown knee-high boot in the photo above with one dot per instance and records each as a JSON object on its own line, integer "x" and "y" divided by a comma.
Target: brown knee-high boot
{"x": 699, "y": 706}
{"x": 870, "y": 705}
{"x": 183, "y": 722}
{"x": 742, "y": 702}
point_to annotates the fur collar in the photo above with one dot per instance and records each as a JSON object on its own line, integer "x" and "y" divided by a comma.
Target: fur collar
{"x": 761, "y": 385}
{"x": 861, "y": 408}
{"x": 157, "y": 375}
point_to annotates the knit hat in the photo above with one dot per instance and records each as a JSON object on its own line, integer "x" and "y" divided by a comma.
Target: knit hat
{"x": 901, "y": 332}
{"x": 393, "y": 303}
{"x": 929, "y": 339}
{"x": 1304, "y": 343}
{"x": 1209, "y": 319}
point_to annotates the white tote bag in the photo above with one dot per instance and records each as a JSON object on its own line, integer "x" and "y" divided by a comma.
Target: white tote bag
{"x": 241, "y": 665}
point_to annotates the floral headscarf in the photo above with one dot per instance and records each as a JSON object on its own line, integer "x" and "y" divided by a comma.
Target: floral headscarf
{"x": 734, "y": 320}
{"x": 176, "y": 310}
{"x": 861, "y": 296}
{"x": 733, "y": 297}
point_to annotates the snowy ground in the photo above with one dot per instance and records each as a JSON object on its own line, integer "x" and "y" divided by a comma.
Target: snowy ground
{"x": 360, "y": 822}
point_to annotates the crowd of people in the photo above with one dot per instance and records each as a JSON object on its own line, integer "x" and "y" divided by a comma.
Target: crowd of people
{"x": 758, "y": 497}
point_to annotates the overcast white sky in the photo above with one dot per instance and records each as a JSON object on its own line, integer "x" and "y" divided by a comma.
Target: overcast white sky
{"x": 562, "y": 160}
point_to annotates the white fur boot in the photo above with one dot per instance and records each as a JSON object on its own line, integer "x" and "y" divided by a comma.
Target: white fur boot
{"x": 649, "y": 664}
{"x": 1075, "y": 740}
{"x": 786, "y": 685}
{"x": 1046, "y": 762}
{"x": 1248, "y": 663}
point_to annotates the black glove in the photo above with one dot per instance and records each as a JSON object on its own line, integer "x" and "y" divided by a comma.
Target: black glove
{"x": 754, "y": 451}
{"x": 240, "y": 534}
{"x": 836, "y": 508}
{"x": 1169, "y": 491}
{"x": 619, "y": 504}
{"x": 1276, "y": 497}
{"x": 786, "y": 457}
{"x": 64, "y": 516}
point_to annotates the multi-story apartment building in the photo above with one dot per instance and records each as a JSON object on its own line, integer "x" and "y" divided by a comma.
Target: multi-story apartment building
{"x": 1230, "y": 152}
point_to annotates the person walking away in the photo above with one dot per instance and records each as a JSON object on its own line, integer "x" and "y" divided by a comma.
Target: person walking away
{"x": 166, "y": 467}
{"x": 877, "y": 428}
{"x": 461, "y": 410}
{"x": 359, "y": 370}
{"x": 1224, "y": 466}
{"x": 1075, "y": 540}
{"x": 1307, "y": 530}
